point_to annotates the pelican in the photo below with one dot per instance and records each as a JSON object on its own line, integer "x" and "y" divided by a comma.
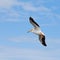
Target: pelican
{"x": 36, "y": 30}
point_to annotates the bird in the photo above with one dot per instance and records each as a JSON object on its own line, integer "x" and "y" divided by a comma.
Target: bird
{"x": 36, "y": 30}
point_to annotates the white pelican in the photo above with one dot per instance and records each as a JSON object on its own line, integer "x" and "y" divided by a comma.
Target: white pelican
{"x": 36, "y": 30}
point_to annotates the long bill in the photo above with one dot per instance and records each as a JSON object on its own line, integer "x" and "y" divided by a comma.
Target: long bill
{"x": 29, "y": 31}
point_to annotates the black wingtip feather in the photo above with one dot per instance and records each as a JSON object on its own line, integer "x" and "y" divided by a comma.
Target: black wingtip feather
{"x": 33, "y": 21}
{"x": 44, "y": 44}
{"x": 43, "y": 40}
{"x": 31, "y": 18}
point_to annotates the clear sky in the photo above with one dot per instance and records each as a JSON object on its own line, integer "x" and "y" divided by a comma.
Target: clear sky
{"x": 16, "y": 43}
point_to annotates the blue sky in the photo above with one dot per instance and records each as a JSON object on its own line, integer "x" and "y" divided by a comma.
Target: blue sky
{"x": 16, "y": 43}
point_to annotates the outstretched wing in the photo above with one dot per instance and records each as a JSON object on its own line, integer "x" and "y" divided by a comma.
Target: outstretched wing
{"x": 42, "y": 39}
{"x": 33, "y": 22}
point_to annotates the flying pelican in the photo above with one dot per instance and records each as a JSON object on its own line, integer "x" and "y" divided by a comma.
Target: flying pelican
{"x": 36, "y": 30}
